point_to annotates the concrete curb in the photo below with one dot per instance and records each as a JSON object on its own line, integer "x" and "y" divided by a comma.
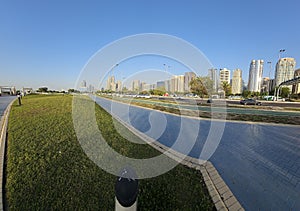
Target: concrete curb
{"x": 3, "y": 132}
{"x": 220, "y": 193}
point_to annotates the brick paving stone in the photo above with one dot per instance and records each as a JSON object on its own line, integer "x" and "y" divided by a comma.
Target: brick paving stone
{"x": 220, "y": 205}
{"x": 234, "y": 207}
{"x": 223, "y": 190}
{"x": 220, "y": 185}
{"x": 229, "y": 202}
{"x": 227, "y": 195}
{"x": 216, "y": 199}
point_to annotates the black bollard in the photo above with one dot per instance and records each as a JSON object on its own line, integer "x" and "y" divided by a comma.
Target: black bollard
{"x": 19, "y": 99}
{"x": 126, "y": 190}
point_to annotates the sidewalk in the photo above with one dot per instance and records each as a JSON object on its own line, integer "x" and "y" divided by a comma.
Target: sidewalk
{"x": 3, "y": 133}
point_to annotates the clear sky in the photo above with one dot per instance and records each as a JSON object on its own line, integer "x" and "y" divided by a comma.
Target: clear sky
{"x": 47, "y": 43}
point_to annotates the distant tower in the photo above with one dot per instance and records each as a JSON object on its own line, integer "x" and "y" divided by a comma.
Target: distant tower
{"x": 255, "y": 75}
{"x": 83, "y": 84}
{"x": 188, "y": 77}
{"x": 110, "y": 84}
{"x": 237, "y": 82}
{"x": 136, "y": 85}
{"x": 285, "y": 69}
{"x": 213, "y": 75}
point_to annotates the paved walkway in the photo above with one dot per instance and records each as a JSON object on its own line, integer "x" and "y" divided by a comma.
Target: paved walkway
{"x": 260, "y": 163}
{"x": 4, "y": 103}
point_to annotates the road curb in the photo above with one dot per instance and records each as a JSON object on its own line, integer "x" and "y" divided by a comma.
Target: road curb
{"x": 3, "y": 133}
{"x": 220, "y": 193}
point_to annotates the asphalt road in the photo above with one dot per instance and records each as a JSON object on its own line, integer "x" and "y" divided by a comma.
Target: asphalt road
{"x": 270, "y": 103}
{"x": 4, "y": 102}
{"x": 237, "y": 102}
{"x": 259, "y": 162}
{"x": 243, "y": 110}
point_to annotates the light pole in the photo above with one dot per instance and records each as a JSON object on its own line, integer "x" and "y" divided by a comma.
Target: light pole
{"x": 281, "y": 51}
{"x": 167, "y": 67}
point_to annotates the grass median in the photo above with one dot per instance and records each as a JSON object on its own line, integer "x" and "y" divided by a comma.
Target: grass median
{"x": 47, "y": 169}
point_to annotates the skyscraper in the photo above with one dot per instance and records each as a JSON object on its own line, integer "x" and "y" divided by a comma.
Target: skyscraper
{"x": 110, "y": 84}
{"x": 237, "y": 83}
{"x": 136, "y": 85}
{"x": 119, "y": 86}
{"x": 188, "y": 77}
{"x": 285, "y": 69}
{"x": 255, "y": 75}
{"x": 213, "y": 75}
{"x": 83, "y": 84}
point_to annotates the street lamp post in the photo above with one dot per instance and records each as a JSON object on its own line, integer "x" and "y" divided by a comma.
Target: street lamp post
{"x": 167, "y": 67}
{"x": 281, "y": 51}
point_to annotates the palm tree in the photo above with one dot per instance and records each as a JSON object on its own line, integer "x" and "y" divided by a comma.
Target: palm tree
{"x": 226, "y": 88}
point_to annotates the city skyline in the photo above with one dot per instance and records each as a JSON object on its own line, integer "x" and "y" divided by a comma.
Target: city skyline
{"x": 285, "y": 70}
{"x": 39, "y": 48}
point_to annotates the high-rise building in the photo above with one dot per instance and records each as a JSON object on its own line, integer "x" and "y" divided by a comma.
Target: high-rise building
{"x": 177, "y": 83}
{"x": 271, "y": 85}
{"x": 160, "y": 84}
{"x": 285, "y": 69}
{"x": 180, "y": 87}
{"x": 136, "y": 85}
{"x": 188, "y": 77}
{"x": 265, "y": 83}
{"x": 119, "y": 86}
{"x": 224, "y": 76}
{"x": 213, "y": 75}
{"x": 237, "y": 82}
{"x": 255, "y": 75}
{"x": 83, "y": 84}
{"x": 296, "y": 87}
{"x": 110, "y": 84}
{"x": 168, "y": 85}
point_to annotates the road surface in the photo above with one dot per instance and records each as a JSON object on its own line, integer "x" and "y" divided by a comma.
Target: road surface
{"x": 243, "y": 110}
{"x": 259, "y": 162}
{"x": 4, "y": 102}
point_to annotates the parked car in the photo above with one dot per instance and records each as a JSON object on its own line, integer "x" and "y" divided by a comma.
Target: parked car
{"x": 209, "y": 100}
{"x": 250, "y": 101}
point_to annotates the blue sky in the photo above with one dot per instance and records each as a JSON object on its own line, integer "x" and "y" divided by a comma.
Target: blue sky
{"x": 47, "y": 43}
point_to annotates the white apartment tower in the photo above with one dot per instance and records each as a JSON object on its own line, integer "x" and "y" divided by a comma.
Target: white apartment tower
{"x": 213, "y": 75}
{"x": 237, "y": 83}
{"x": 177, "y": 83}
{"x": 188, "y": 77}
{"x": 255, "y": 75}
{"x": 285, "y": 69}
{"x": 110, "y": 84}
{"x": 224, "y": 75}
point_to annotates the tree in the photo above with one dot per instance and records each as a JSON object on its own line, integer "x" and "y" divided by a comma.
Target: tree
{"x": 201, "y": 86}
{"x": 157, "y": 92}
{"x": 246, "y": 93}
{"x": 74, "y": 91}
{"x": 226, "y": 88}
{"x": 43, "y": 89}
{"x": 285, "y": 92}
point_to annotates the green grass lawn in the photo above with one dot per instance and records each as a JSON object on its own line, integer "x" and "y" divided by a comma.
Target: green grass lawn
{"x": 48, "y": 170}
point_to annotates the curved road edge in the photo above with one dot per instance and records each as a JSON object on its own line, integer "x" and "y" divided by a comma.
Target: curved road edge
{"x": 220, "y": 193}
{"x": 3, "y": 134}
